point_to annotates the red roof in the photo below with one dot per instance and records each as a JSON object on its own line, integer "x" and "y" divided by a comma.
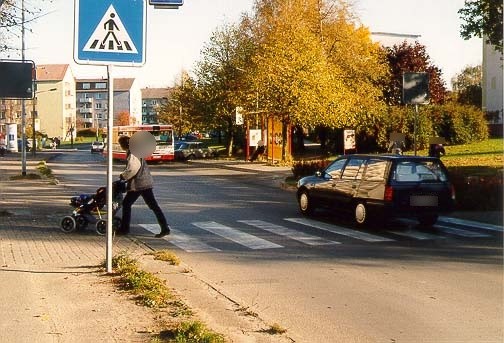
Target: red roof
{"x": 51, "y": 72}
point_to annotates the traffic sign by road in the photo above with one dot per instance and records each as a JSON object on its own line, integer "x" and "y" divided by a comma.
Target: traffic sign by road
{"x": 110, "y": 32}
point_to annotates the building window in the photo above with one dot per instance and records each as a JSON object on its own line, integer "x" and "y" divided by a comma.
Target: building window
{"x": 98, "y": 106}
{"x": 153, "y": 102}
{"x": 493, "y": 83}
{"x": 86, "y": 85}
{"x": 101, "y": 85}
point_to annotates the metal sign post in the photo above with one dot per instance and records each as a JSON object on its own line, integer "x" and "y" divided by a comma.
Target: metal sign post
{"x": 108, "y": 33}
{"x": 416, "y": 92}
{"x": 110, "y": 125}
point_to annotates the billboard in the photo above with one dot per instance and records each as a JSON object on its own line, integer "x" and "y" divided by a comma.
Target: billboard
{"x": 416, "y": 88}
{"x": 17, "y": 79}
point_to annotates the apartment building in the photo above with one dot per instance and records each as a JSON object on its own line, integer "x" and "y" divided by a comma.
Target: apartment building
{"x": 152, "y": 101}
{"x": 492, "y": 86}
{"x": 128, "y": 99}
{"x": 55, "y": 100}
{"x": 92, "y": 102}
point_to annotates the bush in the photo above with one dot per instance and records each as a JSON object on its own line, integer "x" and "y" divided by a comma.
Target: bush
{"x": 91, "y": 132}
{"x": 305, "y": 168}
{"x": 458, "y": 124}
{"x": 477, "y": 192}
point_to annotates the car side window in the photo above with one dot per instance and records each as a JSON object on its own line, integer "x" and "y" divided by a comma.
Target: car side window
{"x": 335, "y": 168}
{"x": 352, "y": 169}
{"x": 375, "y": 170}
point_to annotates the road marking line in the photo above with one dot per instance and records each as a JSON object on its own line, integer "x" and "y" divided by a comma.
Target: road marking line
{"x": 292, "y": 234}
{"x": 460, "y": 232}
{"x": 340, "y": 230}
{"x": 236, "y": 236}
{"x": 181, "y": 240}
{"x": 416, "y": 234}
{"x": 474, "y": 224}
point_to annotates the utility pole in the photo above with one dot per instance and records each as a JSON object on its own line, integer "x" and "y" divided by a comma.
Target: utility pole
{"x": 23, "y": 103}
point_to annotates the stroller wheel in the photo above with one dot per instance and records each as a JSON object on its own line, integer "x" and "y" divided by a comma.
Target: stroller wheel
{"x": 101, "y": 227}
{"x": 68, "y": 224}
{"x": 81, "y": 222}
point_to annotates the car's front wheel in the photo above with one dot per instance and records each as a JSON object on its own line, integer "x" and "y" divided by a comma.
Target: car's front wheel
{"x": 305, "y": 203}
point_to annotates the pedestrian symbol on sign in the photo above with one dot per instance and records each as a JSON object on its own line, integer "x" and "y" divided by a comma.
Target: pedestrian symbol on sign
{"x": 110, "y": 35}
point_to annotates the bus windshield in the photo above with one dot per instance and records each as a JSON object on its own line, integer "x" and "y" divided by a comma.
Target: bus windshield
{"x": 162, "y": 133}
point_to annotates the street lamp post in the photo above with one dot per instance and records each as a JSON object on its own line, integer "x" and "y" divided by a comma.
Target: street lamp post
{"x": 23, "y": 109}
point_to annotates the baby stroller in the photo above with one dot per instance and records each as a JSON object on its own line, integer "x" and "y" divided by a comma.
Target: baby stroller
{"x": 91, "y": 209}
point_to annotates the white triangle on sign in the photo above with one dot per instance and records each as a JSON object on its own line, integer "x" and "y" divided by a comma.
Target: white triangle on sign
{"x": 110, "y": 35}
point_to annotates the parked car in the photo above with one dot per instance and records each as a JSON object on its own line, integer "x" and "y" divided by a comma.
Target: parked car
{"x": 378, "y": 187}
{"x": 97, "y": 146}
{"x": 191, "y": 150}
{"x": 28, "y": 146}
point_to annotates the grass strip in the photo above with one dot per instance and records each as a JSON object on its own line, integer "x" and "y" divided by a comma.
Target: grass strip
{"x": 149, "y": 290}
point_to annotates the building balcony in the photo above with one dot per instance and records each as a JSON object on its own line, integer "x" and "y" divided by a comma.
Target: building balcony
{"x": 85, "y": 110}
{"x": 86, "y": 100}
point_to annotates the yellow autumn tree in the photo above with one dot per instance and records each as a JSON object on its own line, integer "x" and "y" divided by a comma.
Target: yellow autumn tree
{"x": 315, "y": 65}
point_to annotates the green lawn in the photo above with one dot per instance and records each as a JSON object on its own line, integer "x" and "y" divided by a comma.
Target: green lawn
{"x": 487, "y": 154}
{"x": 476, "y": 171}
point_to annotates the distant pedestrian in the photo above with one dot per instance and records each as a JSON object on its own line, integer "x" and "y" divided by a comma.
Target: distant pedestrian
{"x": 258, "y": 151}
{"x": 396, "y": 147}
{"x": 3, "y": 146}
{"x": 140, "y": 183}
{"x": 436, "y": 150}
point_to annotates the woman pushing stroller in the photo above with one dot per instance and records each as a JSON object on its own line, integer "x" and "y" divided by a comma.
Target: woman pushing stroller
{"x": 140, "y": 183}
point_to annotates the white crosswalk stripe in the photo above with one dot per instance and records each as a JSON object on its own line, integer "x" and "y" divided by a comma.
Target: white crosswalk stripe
{"x": 191, "y": 243}
{"x": 473, "y": 224}
{"x": 286, "y": 232}
{"x": 460, "y": 232}
{"x": 340, "y": 230}
{"x": 183, "y": 241}
{"x": 415, "y": 234}
{"x": 237, "y": 236}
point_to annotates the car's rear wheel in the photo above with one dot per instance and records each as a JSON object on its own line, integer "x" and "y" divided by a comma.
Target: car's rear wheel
{"x": 428, "y": 220}
{"x": 306, "y": 204}
{"x": 361, "y": 214}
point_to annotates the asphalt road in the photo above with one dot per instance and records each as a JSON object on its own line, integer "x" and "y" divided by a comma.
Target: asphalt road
{"x": 321, "y": 279}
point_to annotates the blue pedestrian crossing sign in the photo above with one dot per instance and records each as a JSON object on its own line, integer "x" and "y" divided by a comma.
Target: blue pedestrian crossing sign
{"x": 110, "y": 32}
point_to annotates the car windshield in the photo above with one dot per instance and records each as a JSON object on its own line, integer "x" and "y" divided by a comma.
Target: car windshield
{"x": 417, "y": 171}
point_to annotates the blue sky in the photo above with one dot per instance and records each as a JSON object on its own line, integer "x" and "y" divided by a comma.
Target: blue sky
{"x": 175, "y": 37}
